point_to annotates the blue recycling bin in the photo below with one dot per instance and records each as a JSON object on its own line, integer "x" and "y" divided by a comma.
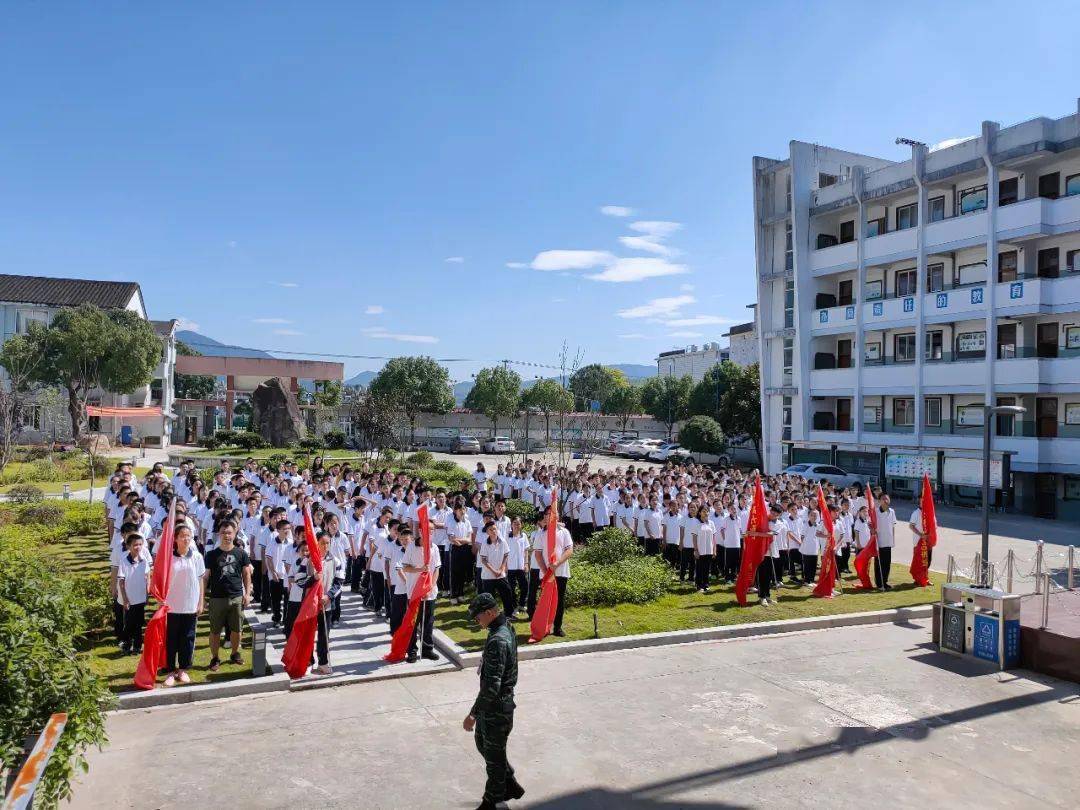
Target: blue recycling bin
{"x": 125, "y": 435}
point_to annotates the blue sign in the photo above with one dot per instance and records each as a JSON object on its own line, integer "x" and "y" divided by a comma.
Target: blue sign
{"x": 942, "y": 300}
{"x": 977, "y": 295}
{"x": 823, "y": 316}
{"x": 1012, "y": 642}
{"x": 985, "y": 643}
{"x": 878, "y": 308}
{"x": 594, "y": 405}
{"x": 849, "y": 313}
{"x": 909, "y": 305}
{"x": 1016, "y": 289}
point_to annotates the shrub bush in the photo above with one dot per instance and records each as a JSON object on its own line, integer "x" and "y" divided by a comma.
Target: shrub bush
{"x": 421, "y": 458}
{"x": 48, "y": 514}
{"x": 311, "y": 444}
{"x": 209, "y": 442}
{"x": 517, "y": 508}
{"x": 445, "y": 465}
{"x": 25, "y": 493}
{"x": 250, "y": 440}
{"x": 335, "y": 439}
{"x": 275, "y": 461}
{"x": 388, "y": 454}
{"x": 226, "y": 438}
{"x": 609, "y": 546}
{"x": 636, "y": 580}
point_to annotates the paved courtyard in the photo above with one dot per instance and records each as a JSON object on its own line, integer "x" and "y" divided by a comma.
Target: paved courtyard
{"x": 842, "y": 718}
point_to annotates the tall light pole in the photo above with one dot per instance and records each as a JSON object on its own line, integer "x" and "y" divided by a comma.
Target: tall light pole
{"x": 988, "y": 412}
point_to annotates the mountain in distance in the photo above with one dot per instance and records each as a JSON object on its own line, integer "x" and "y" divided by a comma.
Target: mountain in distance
{"x": 213, "y": 348}
{"x": 361, "y": 380}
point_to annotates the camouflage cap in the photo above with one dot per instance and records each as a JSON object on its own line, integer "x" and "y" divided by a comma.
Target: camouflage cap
{"x": 482, "y": 602}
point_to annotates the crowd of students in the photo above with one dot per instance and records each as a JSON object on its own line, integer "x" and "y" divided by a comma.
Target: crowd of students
{"x": 241, "y": 540}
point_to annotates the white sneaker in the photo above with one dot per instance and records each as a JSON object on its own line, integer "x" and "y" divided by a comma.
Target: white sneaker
{"x": 765, "y": 602}
{"x": 325, "y": 669}
{"x": 170, "y": 681}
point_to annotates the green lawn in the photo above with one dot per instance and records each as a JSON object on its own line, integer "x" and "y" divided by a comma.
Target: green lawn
{"x": 89, "y": 555}
{"x": 684, "y": 608}
{"x": 57, "y": 487}
{"x": 241, "y": 454}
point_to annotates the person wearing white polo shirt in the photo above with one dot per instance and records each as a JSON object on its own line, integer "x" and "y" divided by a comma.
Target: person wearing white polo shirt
{"x": 564, "y": 550}
{"x": 886, "y": 539}
{"x": 187, "y": 590}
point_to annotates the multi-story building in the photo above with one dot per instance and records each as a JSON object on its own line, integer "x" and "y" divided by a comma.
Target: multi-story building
{"x": 690, "y": 360}
{"x": 896, "y": 298}
{"x": 144, "y": 414}
{"x": 743, "y": 345}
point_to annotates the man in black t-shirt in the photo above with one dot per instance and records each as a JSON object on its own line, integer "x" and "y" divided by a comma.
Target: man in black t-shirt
{"x": 228, "y": 586}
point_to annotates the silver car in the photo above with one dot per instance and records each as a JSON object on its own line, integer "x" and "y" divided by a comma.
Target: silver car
{"x": 827, "y": 472}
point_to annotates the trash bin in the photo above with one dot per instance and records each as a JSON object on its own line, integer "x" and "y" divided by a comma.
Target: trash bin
{"x": 125, "y": 434}
{"x": 980, "y": 622}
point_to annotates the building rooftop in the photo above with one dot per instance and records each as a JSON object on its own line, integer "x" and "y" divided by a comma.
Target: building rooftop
{"x": 741, "y": 328}
{"x": 164, "y": 328}
{"x": 67, "y": 292}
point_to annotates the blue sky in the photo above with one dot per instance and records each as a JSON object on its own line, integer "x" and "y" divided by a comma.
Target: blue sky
{"x": 432, "y": 178}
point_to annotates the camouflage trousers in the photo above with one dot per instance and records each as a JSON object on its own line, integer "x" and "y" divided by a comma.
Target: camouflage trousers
{"x": 491, "y": 733}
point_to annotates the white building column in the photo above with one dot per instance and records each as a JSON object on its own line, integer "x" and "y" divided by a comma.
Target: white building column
{"x": 918, "y": 162}
{"x": 859, "y": 347}
{"x": 989, "y": 137}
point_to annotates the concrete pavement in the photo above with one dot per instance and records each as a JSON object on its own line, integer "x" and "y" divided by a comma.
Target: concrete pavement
{"x": 844, "y": 718}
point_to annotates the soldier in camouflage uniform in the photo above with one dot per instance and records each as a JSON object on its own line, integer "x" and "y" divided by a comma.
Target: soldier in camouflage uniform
{"x": 492, "y": 715}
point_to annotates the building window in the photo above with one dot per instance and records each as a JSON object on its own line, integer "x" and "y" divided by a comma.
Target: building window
{"x": 974, "y": 273}
{"x": 970, "y": 345}
{"x": 1006, "y": 341}
{"x": 906, "y": 283}
{"x": 1072, "y": 487}
{"x": 1007, "y": 266}
{"x": 935, "y": 277}
{"x": 1050, "y": 185}
{"x": 932, "y": 416}
{"x": 904, "y": 348}
{"x": 789, "y": 303}
{"x": 788, "y": 186}
{"x": 31, "y": 417}
{"x": 933, "y": 348}
{"x": 907, "y": 216}
{"x": 1072, "y": 261}
{"x": 789, "y": 360}
{"x": 789, "y": 253}
{"x": 937, "y": 209}
{"x": 1008, "y": 191}
{"x": 25, "y": 317}
{"x": 876, "y": 227}
{"x": 785, "y": 455}
{"x": 1048, "y": 263}
{"x": 903, "y": 412}
{"x": 972, "y": 199}
{"x": 847, "y": 231}
{"x": 825, "y": 180}
{"x": 1072, "y": 185}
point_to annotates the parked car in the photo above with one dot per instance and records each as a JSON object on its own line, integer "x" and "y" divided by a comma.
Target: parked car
{"x": 622, "y": 447}
{"x": 499, "y": 444}
{"x": 465, "y": 444}
{"x": 642, "y": 448}
{"x": 827, "y": 472}
{"x": 615, "y": 439}
{"x": 663, "y": 452}
{"x": 683, "y": 456}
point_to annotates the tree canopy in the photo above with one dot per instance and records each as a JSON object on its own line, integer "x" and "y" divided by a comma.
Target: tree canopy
{"x": 594, "y": 383}
{"x": 417, "y": 384}
{"x": 702, "y": 434}
{"x": 706, "y": 395}
{"x": 623, "y": 401}
{"x": 548, "y": 397}
{"x": 740, "y": 406}
{"x": 496, "y": 392}
{"x": 666, "y": 399}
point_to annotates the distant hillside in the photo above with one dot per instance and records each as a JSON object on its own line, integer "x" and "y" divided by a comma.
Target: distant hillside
{"x": 213, "y": 348}
{"x": 362, "y": 379}
{"x": 636, "y": 371}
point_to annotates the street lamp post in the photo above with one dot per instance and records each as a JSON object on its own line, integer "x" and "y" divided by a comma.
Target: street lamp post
{"x": 988, "y": 412}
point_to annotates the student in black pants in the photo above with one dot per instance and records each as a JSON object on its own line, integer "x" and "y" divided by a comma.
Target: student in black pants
{"x": 518, "y": 562}
{"x": 459, "y": 533}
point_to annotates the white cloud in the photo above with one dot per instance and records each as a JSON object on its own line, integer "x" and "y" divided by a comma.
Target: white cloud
{"x": 699, "y": 320}
{"x": 185, "y": 324}
{"x": 571, "y": 259}
{"x": 380, "y": 333}
{"x": 270, "y": 320}
{"x": 558, "y": 300}
{"x": 636, "y": 269}
{"x": 616, "y": 211}
{"x": 288, "y": 284}
{"x": 516, "y": 265}
{"x": 686, "y": 287}
{"x": 632, "y": 336}
{"x": 945, "y": 144}
{"x": 656, "y": 228}
{"x": 374, "y": 309}
{"x": 455, "y": 259}
{"x": 647, "y": 244}
{"x": 658, "y": 307}
{"x": 287, "y": 332}
{"x": 655, "y": 233}
{"x": 685, "y": 334}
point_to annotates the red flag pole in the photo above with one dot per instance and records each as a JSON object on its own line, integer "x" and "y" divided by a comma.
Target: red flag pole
{"x": 154, "y": 652}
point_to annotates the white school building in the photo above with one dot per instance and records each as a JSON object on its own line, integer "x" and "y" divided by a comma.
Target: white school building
{"x": 896, "y": 297}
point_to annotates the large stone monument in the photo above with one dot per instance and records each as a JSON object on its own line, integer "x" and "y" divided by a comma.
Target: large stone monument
{"x": 275, "y": 413}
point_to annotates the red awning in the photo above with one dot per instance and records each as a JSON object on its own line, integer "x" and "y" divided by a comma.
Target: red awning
{"x": 134, "y": 413}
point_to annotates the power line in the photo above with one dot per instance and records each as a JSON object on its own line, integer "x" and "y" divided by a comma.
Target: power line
{"x": 341, "y": 356}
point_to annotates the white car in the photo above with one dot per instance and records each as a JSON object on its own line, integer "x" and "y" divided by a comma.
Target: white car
{"x": 642, "y": 448}
{"x": 499, "y": 444}
{"x": 827, "y": 472}
{"x": 622, "y": 447}
{"x": 662, "y": 452}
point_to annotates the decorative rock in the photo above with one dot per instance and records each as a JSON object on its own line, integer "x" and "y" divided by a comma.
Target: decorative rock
{"x": 275, "y": 413}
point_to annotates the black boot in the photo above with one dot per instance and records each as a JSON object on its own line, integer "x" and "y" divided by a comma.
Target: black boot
{"x": 513, "y": 789}
{"x": 486, "y": 805}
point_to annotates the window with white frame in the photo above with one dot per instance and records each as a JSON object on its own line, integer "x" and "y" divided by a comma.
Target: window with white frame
{"x": 903, "y": 411}
{"x": 25, "y": 317}
{"x": 932, "y": 413}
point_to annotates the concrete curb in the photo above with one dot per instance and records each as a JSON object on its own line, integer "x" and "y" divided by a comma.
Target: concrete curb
{"x": 466, "y": 658}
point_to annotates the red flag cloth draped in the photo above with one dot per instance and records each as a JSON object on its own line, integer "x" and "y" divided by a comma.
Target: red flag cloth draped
{"x": 920, "y": 557}
{"x": 862, "y": 559}
{"x": 826, "y": 582}
{"x": 756, "y": 544}
{"x": 399, "y": 643}
{"x": 296, "y": 657}
{"x": 543, "y": 620}
{"x": 153, "y": 654}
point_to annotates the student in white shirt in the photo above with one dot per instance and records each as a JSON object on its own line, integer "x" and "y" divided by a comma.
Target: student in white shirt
{"x": 649, "y": 523}
{"x": 915, "y": 523}
{"x": 439, "y": 518}
{"x": 413, "y": 566}
{"x": 886, "y": 539}
{"x": 515, "y": 568}
{"x": 704, "y": 542}
{"x": 274, "y": 563}
{"x": 493, "y": 555}
{"x": 564, "y": 550}
{"x": 844, "y": 525}
{"x": 187, "y": 591}
{"x": 672, "y": 526}
{"x": 133, "y": 576}
{"x": 731, "y": 539}
{"x": 459, "y": 532}
{"x": 810, "y": 544}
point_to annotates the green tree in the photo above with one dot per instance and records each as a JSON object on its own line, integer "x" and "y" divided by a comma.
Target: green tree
{"x": 622, "y": 401}
{"x": 666, "y": 399}
{"x": 594, "y": 383}
{"x": 702, "y": 434}
{"x": 548, "y": 397}
{"x": 706, "y": 394}
{"x": 417, "y": 384}
{"x": 87, "y": 347}
{"x": 192, "y": 386}
{"x": 740, "y": 407}
{"x": 20, "y": 359}
{"x": 496, "y": 392}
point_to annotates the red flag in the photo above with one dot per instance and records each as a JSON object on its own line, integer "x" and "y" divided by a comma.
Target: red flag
{"x": 756, "y": 545}
{"x": 153, "y": 654}
{"x": 296, "y": 657}
{"x": 920, "y": 557}
{"x": 399, "y": 643}
{"x": 826, "y": 582}
{"x": 543, "y": 620}
{"x": 862, "y": 559}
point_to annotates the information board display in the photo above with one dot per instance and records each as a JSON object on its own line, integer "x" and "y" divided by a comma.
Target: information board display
{"x": 910, "y": 465}
{"x": 952, "y": 629}
{"x": 967, "y": 472}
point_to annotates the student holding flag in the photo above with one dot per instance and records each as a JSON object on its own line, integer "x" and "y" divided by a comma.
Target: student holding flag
{"x": 923, "y": 524}
{"x": 552, "y": 549}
